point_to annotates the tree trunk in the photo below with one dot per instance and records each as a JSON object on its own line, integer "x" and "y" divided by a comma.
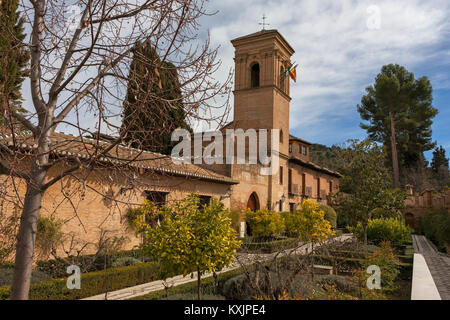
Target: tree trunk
{"x": 394, "y": 152}
{"x": 198, "y": 282}
{"x": 27, "y": 235}
{"x": 365, "y": 234}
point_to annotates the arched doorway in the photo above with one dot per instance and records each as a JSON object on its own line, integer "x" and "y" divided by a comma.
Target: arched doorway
{"x": 253, "y": 205}
{"x": 409, "y": 219}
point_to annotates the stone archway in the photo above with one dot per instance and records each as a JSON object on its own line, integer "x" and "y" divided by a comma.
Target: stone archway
{"x": 253, "y": 202}
{"x": 410, "y": 220}
{"x": 253, "y": 205}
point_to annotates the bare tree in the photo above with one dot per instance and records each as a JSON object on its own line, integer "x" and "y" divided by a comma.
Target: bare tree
{"x": 80, "y": 56}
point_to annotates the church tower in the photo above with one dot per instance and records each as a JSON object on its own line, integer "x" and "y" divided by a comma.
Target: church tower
{"x": 261, "y": 101}
{"x": 261, "y": 95}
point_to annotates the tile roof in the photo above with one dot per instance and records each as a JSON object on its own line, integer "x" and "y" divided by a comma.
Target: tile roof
{"x": 83, "y": 148}
{"x": 293, "y": 138}
{"x": 314, "y": 166}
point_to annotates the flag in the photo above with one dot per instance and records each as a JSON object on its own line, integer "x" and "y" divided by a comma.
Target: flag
{"x": 293, "y": 73}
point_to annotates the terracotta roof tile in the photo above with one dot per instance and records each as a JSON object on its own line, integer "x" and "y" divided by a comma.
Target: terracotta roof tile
{"x": 90, "y": 149}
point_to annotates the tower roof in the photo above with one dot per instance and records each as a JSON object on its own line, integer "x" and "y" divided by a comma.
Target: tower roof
{"x": 263, "y": 34}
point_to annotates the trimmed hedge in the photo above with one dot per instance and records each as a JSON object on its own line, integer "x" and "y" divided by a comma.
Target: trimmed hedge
{"x": 92, "y": 284}
{"x": 436, "y": 227}
{"x": 268, "y": 246}
{"x": 207, "y": 285}
{"x": 87, "y": 263}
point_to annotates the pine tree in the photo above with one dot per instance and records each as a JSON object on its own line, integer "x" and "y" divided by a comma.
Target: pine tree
{"x": 13, "y": 57}
{"x": 399, "y": 110}
{"x": 153, "y": 107}
{"x": 439, "y": 159}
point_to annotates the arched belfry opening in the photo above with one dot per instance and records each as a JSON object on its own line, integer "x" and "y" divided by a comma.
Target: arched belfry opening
{"x": 255, "y": 73}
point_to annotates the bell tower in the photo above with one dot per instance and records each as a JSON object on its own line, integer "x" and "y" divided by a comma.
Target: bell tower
{"x": 261, "y": 93}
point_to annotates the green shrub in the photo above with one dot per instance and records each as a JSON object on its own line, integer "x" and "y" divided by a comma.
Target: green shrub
{"x": 193, "y": 296}
{"x": 124, "y": 261}
{"x": 436, "y": 227}
{"x": 389, "y": 264}
{"x": 87, "y": 263}
{"x": 92, "y": 284}
{"x": 330, "y": 215}
{"x": 49, "y": 235}
{"x": 234, "y": 215}
{"x": 267, "y": 246}
{"x": 6, "y": 276}
{"x": 238, "y": 288}
{"x": 341, "y": 283}
{"x": 265, "y": 223}
{"x": 393, "y": 230}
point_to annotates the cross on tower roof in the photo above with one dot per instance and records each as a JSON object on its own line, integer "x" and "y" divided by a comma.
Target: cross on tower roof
{"x": 263, "y": 23}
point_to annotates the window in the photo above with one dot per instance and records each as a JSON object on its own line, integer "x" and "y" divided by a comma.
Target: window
{"x": 281, "y": 136}
{"x": 318, "y": 188}
{"x": 290, "y": 181}
{"x": 281, "y": 206}
{"x": 159, "y": 198}
{"x": 282, "y": 76}
{"x": 204, "y": 200}
{"x": 331, "y": 186}
{"x": 255, "y": 76}
{"x": 290, "y": 147}
{"x": 291, "y": 207}
{"x": 304, "y": 150}
{"x": 281, "y": 175}
{"x": 303, "y": 184}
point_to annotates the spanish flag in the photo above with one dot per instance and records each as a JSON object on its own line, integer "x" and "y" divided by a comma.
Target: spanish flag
{"x": 292, "y": 72}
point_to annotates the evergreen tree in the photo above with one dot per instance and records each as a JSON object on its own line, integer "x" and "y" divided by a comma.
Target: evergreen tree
{"x": 153, "y": 107}
{"x": 439, "y": 159}
{"x": 399, "y": 110}
{"x": 13, "y": 57}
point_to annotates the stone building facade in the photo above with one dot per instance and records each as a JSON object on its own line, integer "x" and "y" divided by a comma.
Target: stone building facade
{"x": 418, "y": 205}
{"x": 110, "y": 186}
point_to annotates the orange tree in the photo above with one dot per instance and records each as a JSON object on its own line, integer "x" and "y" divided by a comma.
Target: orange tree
{"x": 309, "y": 223}
{"x": 189, "y": 237}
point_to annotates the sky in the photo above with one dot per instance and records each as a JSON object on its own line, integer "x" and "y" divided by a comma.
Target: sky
{"x": 340, "y": 48}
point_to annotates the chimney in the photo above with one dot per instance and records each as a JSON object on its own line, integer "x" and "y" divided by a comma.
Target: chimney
{"x": 409, "y": 189}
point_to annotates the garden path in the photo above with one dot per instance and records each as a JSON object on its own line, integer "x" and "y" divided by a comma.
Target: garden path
{"x": 241, "y": 259}
{"x": 438, "y": 264}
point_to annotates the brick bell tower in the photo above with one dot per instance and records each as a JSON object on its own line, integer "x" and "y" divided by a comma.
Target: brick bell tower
{"x": 261, "y": 101}
{"x": 261, "y": 95}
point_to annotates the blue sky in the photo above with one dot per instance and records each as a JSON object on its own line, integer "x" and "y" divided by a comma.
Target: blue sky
{"x": 340, "y": 50}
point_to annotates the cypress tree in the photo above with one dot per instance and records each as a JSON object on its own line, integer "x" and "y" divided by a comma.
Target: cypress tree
{"x": 439, "y": 159}
{"x": 153, "y": 107}
{"x": 13, "y": 57}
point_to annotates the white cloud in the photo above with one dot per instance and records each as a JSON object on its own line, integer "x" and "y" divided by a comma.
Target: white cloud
{"x": 338, "y": 55}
